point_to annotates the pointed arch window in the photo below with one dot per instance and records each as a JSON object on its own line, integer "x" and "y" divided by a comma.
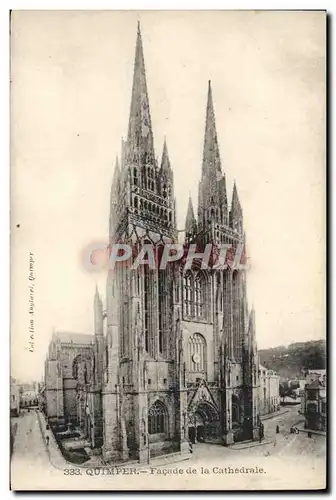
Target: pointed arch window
{"x": 135, "y": 176}
{"x": 157, "y": 418}
{"x": 236, "y": 314}
{"x": 200, "y": 294}
{"x": 162, "y": 309}
{"x": 146, "y": 296}
{"x": 188, "y": 294}
{"x": 220, "y": 292}
{"x": 197, "y": 353}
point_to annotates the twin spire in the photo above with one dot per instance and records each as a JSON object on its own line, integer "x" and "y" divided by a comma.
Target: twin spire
{"x": 140, "y": 142}
{"x": 211, "y": 157}
{"x": 140, "y": 135}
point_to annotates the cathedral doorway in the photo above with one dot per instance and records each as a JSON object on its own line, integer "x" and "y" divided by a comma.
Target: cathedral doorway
{"x": 204, "y": 424}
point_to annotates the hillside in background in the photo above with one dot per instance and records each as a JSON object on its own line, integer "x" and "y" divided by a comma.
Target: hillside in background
{"x": 293, "y": 361}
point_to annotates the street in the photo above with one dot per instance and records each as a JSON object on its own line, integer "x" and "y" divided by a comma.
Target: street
{"x": 287, "y": 461}
{"x": 283, "y": 443}
{"x": 30, "y": 457}
{"x": 28, "y": 440}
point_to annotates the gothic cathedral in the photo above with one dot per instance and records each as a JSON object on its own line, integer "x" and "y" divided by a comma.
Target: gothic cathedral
{"x": 179, "y": 359}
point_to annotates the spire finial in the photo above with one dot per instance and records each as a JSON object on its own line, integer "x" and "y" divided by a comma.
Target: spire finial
{"x": 235, "y": 204}
{"x": 165, "y": 162}
{"x": 140, "y": 136}
{"x": 211, "y": 157}
{"x": 190, "y": 225}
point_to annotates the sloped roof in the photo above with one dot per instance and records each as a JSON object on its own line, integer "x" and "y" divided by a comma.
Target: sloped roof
{"x": 269, "y": 371}
{"x": 315, "y": 384}
{"x": 75, "y": 338}
{"x": 318, "y": 371}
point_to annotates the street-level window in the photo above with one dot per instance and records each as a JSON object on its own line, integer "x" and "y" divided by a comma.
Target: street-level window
{"x": 157, "y": 418}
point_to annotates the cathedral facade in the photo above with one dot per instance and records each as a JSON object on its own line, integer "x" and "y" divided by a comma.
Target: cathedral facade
{"x": 175, "y": 356}
{"x": 181, "y": 355}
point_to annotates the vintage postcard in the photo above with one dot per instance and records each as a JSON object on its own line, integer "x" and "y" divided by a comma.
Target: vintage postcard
{"x": 168, "y": 250}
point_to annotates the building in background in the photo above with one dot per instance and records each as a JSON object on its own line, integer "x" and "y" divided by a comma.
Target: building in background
{"x": 269, "y": 396}
{"x": 315, "y": 400}
{"x": 14, "y": 398}
{"x": 42, "y": 397}
{"x": 72, "y": 382}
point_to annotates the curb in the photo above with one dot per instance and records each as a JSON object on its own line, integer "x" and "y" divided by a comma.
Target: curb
{"x": 273, "y": 415}
{"x": 317, "y": 433}
{"x": 254, "y": 445}
{"x": 59, "y": 462}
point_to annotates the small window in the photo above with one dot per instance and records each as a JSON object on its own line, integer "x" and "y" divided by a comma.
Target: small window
{"x": 165, "y": 381}
{"x": 149, "y": 381}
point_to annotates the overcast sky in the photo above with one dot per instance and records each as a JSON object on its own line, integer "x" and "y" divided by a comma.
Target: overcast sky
{"x": 71, "y": 90}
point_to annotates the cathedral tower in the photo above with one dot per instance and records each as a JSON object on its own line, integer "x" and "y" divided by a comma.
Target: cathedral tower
{"x": 142, "y": 329}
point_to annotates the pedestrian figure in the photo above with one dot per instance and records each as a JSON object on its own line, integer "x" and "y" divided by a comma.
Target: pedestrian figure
{"x": 277, "y": 430}
{"x": 47, "y": 440}
{"x": 309, "y": 434}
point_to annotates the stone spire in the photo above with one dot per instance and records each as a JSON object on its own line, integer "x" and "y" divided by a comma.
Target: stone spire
{"x": 98, "y": 313}
{"x": 236, "y": 212}
{"x": 165, "y": 162}
{"x": 211, "y": 157}
{"x": 252, "y": 327}
{"x": 115, "y": 180}
{"x": 114, "y": 197}
{"x": 235, "y": 205}
{"x": 212, "y": 199}
{"x": 140, "y": 144}
{"x": 190, "y": 224}
{"x": 252, "y": 341}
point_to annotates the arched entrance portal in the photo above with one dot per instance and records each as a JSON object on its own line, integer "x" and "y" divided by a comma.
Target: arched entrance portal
{"x": 203, "y": 424}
